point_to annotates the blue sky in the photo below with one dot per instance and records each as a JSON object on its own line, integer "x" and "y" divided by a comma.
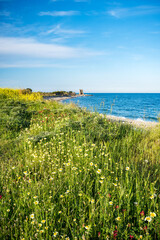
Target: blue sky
{"x": 96, "y": 45}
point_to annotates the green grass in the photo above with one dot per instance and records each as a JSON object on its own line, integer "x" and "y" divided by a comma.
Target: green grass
{"x": 70, "y": 174}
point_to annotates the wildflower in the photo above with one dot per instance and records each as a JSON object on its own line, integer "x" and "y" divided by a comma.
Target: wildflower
{"x": 99, "y": 171}
{"x": 35, "y": 197}
{"x": 67, "y": 191}
{"x": 40, "y": 225}
{"x": 99, "y": 234}
{"x": 0, "y": 196}
{"x": 61, "y": 196}
{"x": 28, "y": 193}
{"x": 29, "y": 180}
{"x": 46, "y": 228}
{"x": 151, "y": 197}
{"x": 92, "y": 201}
{"x": 25, "y": 173}
{"x": 142, "y": 213}
{"x": 95, "y": 165}
{"x": 102, "y": 177}
{"x": 43, "y": 221}
{"x": 117, "y": 206}
{"x": 60, "y": 170}
{"x": 127, "y": 168}
{"x": 74, "y": 220}
{"x": 148, "y": 219}
{"x": 32, "y": 216}
{"x": 131, "y": 236}
{"x": 8, "y": 210}
{"x": 55, "y": 234}
{"x": 32, "y": 222}
{"x": 87, "y": 227}
{"x": 109, "y": 195}
{"x": 67, "y": 238}
{"x": 152, "y": 214}
{"x": 91, "y": 164}
{"x": 118, "y": 218}
{"x": 60, "y": 212}
{"x": 140, "y": 236}
{"x": 101, "y": 181}
{"x": 146, "y": 161}
{"x": 41, "y": 231}
{"x": 80, "y": 194}
{"x": 136, "y": 203}
{"x": 110, "y": 203}
{"x": 36, "y": 202}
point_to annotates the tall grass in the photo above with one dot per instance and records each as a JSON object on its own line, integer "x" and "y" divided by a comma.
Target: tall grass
{"x": 70, "y": 174}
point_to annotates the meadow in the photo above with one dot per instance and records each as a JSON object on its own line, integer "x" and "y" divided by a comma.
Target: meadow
{"x": 66, "y": 173}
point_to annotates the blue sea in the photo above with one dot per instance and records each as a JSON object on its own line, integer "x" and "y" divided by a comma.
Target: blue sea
{"x": 141, "y": 106}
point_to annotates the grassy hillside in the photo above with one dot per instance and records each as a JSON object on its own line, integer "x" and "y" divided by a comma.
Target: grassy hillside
{"x": 66, "y": 173}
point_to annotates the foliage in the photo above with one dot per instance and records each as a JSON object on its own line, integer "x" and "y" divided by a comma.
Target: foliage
{"x": 70, "y": 174}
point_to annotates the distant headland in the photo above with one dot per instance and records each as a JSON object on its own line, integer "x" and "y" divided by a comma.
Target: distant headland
{"x": 62, "y": 95}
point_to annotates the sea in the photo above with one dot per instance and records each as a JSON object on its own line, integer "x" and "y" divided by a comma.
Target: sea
{"x": 140, "y": 106}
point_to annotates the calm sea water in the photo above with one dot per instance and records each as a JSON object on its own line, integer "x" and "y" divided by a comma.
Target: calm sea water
{"x": 144, "y": 106}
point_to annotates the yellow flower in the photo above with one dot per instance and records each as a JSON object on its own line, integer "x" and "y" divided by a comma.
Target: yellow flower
{"x": 43, "y": 221}
{"x": 35, "y": 197}
{"x": 87, "y": 227}
{"x": 46, "y": 228}
{"x": 118, "y": 218}
{"x": 140, "y": 236}
{"x": 60, "y": 170}
{"x": 28, "y": 193}
{"x": 40, "y": 225}
{"x": 32, "y": 216}
{"x": 127, "y": 168}
{"x": 110, "y": 203}
{"x": 152, "y": 214}
{"x": 55, "y": 234}
{"x": 80, "y": 194}
{"x": 60, "y": 212}
{"x": 41, "y": 231}
{"x": 152, "y": 197}
{"x": 25, "y": 173}
{"x": 36, "y": 202}
{"x": 61, "y": 196}
{"x": 115, "y": 184}
{"x": 91, "y": 163}
{"x": 101, "y": 181}
{"x": 99, "y": 171}
{"x": 32, "y": 222}
{"x": 29, "y": 180}
{"x": 148, "y": 219}
{"x": 92, "y": 201}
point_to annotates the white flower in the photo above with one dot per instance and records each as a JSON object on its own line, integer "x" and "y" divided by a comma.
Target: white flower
{"x": 148, "y": 219}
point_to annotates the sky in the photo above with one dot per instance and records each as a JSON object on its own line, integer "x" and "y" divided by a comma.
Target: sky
{"x": 94, "y": 45}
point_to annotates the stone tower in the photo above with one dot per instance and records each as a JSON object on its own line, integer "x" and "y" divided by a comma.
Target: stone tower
{"x": 81, "y": 92}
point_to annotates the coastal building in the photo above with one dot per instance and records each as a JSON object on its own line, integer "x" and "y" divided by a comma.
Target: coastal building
{"x": 81, "y": 92}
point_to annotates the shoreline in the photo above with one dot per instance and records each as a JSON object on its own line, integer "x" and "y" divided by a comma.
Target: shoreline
{"x": 134, "y": 122}
{"x": 55, "y": 98}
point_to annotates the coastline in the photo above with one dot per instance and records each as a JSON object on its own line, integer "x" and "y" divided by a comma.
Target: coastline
{"x": 55, "y": 98}
{"x": 134, "y": 122}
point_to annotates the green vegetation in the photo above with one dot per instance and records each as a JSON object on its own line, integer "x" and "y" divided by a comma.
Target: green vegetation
{"x": 66, "y": 173}
{"x": 58, "y": 94}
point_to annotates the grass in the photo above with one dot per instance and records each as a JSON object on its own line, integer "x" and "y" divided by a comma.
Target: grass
{"x": 70, "y": 174}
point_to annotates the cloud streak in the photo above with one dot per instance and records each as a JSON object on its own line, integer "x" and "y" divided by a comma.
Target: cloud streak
{"x": 134, "y": 11}
{"x": 60, "y": 31}
{"x": 59, "y": 13}
{"x": 28, "y": 47}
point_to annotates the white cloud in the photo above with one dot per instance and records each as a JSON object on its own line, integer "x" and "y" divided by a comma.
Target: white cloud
{"x": 134, "y": 11}
{"x": 58, "y": 30}
{"x": 28, "y": 47}
{"x": 59, "y": 13}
